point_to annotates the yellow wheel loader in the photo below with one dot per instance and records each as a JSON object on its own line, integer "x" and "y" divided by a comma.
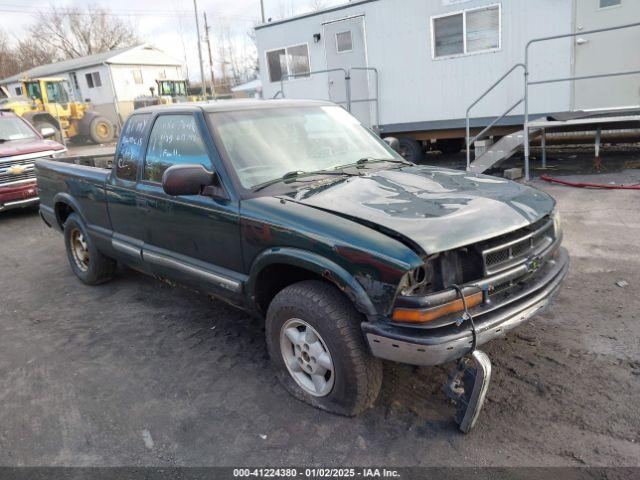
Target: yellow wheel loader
{"x": 168, "y": 92}
{"x": 45, "y": 103}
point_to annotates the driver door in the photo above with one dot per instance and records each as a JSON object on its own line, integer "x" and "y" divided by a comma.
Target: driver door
{"x": 193, "y": 239}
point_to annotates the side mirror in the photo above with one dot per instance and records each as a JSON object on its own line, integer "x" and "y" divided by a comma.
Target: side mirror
{"x": 393, "y": 142}
{"x": 186, "y": 180}
{"x": 48, "y": 132}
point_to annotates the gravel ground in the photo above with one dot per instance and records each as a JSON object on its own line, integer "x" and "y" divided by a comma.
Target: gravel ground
{"x": 135, "y": 372}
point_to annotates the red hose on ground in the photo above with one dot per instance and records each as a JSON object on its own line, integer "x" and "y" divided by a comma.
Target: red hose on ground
{"x": 604, "y": 186}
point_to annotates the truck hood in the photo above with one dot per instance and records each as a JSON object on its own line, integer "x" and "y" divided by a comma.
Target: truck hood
{"x": 13, "y": 148}
{"x": 435, "y": 209}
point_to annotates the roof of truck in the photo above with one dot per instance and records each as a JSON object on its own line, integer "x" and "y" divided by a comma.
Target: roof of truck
{"x": 229, "y": 105}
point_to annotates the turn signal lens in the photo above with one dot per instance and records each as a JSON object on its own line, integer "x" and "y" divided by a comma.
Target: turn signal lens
{"x": 424, "y": 315}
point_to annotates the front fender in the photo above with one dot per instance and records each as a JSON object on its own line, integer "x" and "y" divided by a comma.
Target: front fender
{"x": 317, "y": 264}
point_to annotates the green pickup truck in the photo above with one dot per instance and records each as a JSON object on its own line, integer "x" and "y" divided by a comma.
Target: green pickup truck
{"x": 295, "y": 212}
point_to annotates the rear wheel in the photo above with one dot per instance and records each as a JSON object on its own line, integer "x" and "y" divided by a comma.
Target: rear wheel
{"x": 101, "y": 130}
{"x": 316, "y": 343}
{"x": 411, "y": 149}
{"x": 87, "y": 262}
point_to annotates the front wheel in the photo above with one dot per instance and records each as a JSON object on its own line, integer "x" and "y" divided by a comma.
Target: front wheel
{"x": 317, "y": 346}
{"x": 87, "y": 262}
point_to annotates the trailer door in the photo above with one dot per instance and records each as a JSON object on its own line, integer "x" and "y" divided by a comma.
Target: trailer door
{"x": 606, "y": 52}
{"x": 345, "y": 47}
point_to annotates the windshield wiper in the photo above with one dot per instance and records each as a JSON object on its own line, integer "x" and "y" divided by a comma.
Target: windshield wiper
{"x": 296, "y": 174}
{"x": 365, "y": 160}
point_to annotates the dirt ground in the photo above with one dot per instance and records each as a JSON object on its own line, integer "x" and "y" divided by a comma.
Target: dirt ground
{"x": 135, "y": 372}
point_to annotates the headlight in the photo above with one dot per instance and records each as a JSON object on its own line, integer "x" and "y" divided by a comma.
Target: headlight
{"x": 557, "y": 225}
{"x": 418, "y": 281}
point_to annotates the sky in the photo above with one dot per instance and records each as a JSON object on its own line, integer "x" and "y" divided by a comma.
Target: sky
{"x": 170, "y": 24}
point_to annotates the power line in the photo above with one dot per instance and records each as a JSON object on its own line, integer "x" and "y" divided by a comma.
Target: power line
{"x": 89, "y": 11}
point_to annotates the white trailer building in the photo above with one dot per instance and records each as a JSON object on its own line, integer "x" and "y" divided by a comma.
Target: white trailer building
{"x": 110, "y": 81}
{"x": 435, "y": 57}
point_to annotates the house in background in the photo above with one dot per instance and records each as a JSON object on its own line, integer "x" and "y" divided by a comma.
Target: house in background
{"x": 110, "y": 81}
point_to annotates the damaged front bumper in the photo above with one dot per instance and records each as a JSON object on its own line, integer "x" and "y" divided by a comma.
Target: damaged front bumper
{"x": 492, "y": 319}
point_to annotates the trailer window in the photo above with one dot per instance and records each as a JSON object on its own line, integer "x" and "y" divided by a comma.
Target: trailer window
{"x": 291, "y": 61}
{"x": 471, "y": 31}
{"x": 483, "y": 29}
{"x": 344, "y": 42}
{"x": 609, "y": 3}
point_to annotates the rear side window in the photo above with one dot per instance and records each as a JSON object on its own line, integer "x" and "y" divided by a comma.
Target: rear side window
{"x": 174, "y": 140}
{"x": 130, "y": 147}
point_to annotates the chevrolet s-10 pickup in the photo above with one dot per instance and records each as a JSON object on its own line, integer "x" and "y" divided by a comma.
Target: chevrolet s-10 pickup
{"x": 297, "y": 213}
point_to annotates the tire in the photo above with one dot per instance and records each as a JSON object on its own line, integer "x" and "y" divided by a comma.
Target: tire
{"x": 94, "y": 268}
{"x": 58, "y": 135}
{"x": 450, "y": 146}
{"x": 101, "y": 130}
{"x": 411, "y": 149}
{"x": 356, "y": 375}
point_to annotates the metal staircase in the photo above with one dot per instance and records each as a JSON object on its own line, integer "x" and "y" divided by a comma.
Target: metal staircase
{"x": 508, "y": 145}
{"x": 501, "y": 150}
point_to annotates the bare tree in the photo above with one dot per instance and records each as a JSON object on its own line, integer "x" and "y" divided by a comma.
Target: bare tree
{"x": 30, "y": 52}
{"x": 236, "y": 55}
{"x": 318, "y": 5}
{"x": 76, "y": 32}
{"x": 9, "y": 63}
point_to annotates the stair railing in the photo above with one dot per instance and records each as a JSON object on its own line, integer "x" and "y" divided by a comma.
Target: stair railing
{"x": 470, "y": 141}
{"x": 527, "y": 83}
{"x": 525, "y": 66}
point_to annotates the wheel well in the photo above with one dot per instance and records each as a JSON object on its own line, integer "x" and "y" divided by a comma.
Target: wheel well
{"x": 63, "y": 210}
{"x": 42, "y": 117}
{"x": 274, "y": 278}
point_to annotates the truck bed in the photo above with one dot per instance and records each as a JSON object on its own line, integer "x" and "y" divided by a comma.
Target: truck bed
{"x": 81, "y": 180}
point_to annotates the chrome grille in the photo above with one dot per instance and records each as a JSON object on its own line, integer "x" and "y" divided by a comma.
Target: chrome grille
{"x": 515, "y": 248}
{"x": 7, "y": 178}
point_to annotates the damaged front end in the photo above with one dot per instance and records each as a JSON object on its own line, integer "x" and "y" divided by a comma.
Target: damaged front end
{"x": 464, "y": 298}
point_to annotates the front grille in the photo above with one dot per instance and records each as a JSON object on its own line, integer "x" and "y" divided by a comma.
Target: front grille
{"x": 517, "y": 247}
{"x": 7, "y": 178}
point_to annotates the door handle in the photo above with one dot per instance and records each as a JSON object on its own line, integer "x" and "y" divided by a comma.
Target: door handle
{"x": 581, "y": 41}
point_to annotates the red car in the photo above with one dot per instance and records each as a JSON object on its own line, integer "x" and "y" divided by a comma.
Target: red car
{"x": 20, "y": 146}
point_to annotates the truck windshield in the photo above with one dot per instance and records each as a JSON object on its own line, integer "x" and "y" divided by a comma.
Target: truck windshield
{"x": 12, "y": 128}
{"x": 266, "y": 143}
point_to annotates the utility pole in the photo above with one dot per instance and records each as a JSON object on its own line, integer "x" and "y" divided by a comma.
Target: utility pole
{"x": 213, "y": 80}
{"x": 202, "y": 90}
{"x": 262, "y": 9}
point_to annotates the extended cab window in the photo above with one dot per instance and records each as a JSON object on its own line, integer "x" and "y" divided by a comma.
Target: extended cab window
{"x": 130, "y": 147}
{"x": 174, "y": 140}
